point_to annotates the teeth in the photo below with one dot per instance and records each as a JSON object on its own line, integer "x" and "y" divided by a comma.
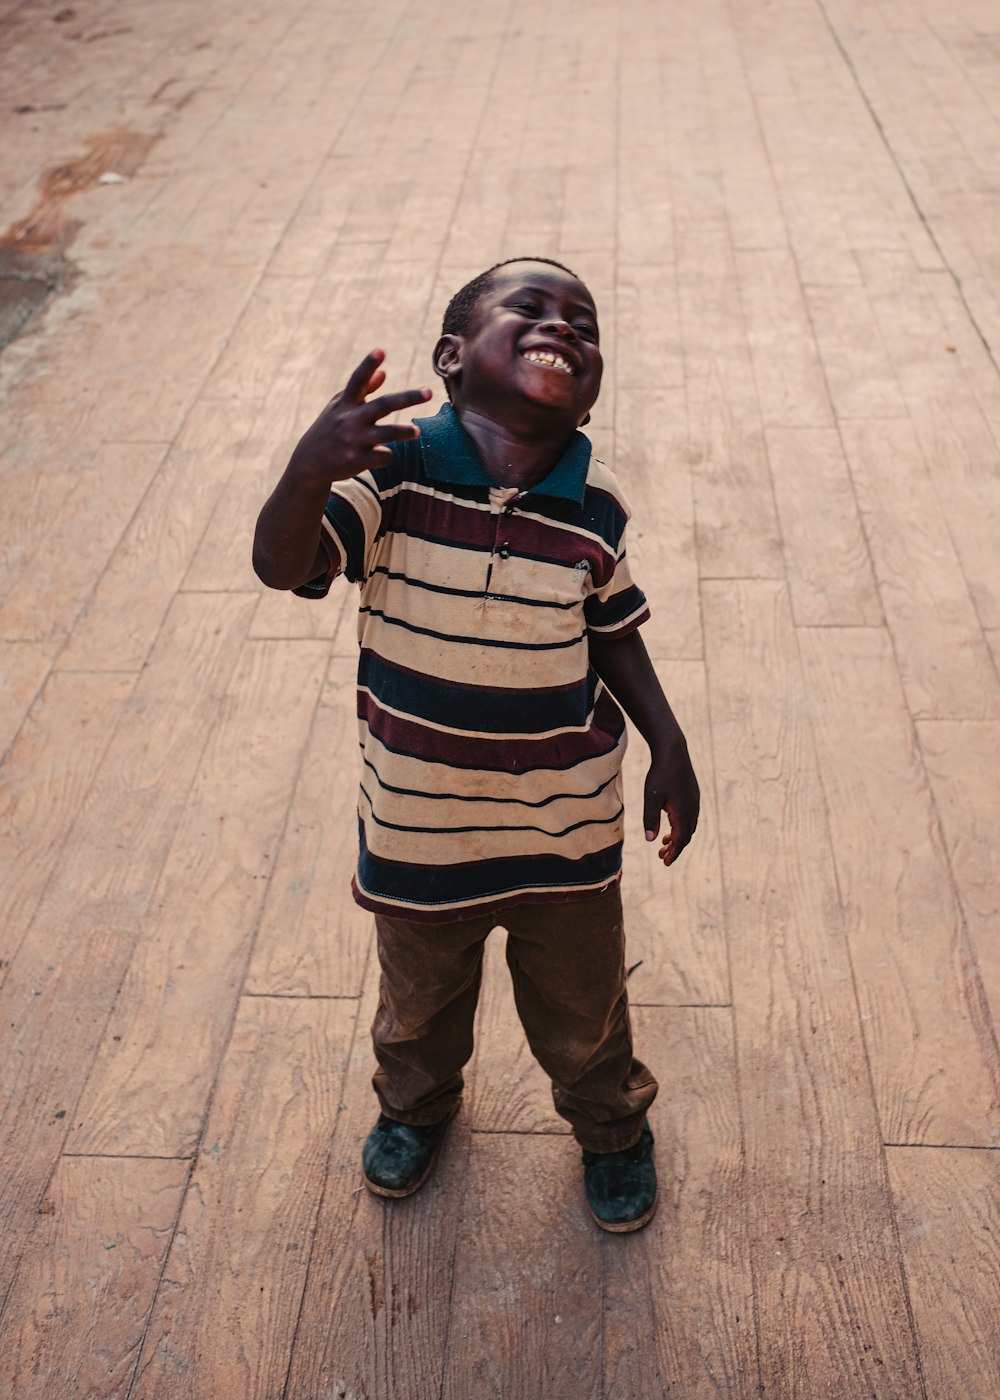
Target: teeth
{"x": 549, "y": 359}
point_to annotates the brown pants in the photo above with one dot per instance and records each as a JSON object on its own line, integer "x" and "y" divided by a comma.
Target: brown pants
{"x": 567, "y": 965}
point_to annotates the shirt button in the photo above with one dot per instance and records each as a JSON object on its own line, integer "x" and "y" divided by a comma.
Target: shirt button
{"x": 504, "y": 550}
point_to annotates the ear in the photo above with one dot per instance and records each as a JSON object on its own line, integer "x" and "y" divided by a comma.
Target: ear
{"x": 448, "y": 357}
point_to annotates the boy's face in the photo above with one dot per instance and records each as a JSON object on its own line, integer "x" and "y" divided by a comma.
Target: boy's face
{"x": 533, "y": 344}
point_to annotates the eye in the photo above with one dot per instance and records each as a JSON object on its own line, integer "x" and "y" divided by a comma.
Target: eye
{"x": 586, "y": 328}
{"x": 530, "y": 308}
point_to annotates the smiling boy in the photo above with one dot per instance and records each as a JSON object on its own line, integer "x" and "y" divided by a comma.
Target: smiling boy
{"x": 498, "y": 626}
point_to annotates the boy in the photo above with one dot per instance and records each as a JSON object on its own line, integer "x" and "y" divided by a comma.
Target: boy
{"x": 497, "y": 620}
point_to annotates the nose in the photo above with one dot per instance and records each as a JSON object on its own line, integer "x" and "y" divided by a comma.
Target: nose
{"x": 559, "y": 327}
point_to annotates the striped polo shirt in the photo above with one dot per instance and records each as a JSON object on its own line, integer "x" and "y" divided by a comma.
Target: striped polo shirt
{"x": 491, "y": 751}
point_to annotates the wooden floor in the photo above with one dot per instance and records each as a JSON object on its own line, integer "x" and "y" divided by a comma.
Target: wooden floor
{"x": 788, "y": 212}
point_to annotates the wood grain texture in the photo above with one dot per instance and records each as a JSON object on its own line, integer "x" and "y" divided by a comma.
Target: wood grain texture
{"x": 949, "y": 1225}
{"x": 525, "y": 1320}
{"x": 61, "y": 987}
{"x": 375, "y": 1315}
{"x": 946, "y": 669}
{"x": 80, "y": 1303}
{"x": 147, "y": 1092}
{"x": 790, "y": 382}
{"x": 832, "y": 1316}
{"x": 859, "y": 373}
{"x": 679, "y": 1311}
{"x": 652, "y": 464}
{"x": 90, "y": 513}
{"x": 961, "y": 762}
{"x": 226, "y": 1311}
{"x": 829, "y": 570}
{"x": 931, "y": 1044}
{"x": 313, "y": 939}
{"x": 46, "y": 778}
{"x": 135, "y": 591}
{"x": 737, "y": 531}
{"x": 23, "y": 667}
{"x": 960, "y": 447}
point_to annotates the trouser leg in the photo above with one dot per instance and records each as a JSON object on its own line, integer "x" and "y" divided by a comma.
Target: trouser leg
{"x": 567, "y": 964}
{"x": 422, "y": 1032}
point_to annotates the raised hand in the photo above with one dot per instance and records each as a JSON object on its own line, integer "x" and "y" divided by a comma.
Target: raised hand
{"x": 348, "y": 435}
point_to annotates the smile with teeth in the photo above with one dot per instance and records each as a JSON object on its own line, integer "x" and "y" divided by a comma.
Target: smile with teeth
{"x": 548, "y": 359}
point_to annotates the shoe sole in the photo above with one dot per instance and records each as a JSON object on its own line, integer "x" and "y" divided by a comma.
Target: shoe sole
{"x": 626, "y": 1227}
{"x": 398, "y": 1193}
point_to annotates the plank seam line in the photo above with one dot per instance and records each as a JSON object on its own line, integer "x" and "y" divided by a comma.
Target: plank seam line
{"x": 302, "y": 996}
{"x": 522, "y": 1132}
{"x": 129, "y": 1156}
{"x": 883, "y": 136}
{"x": 949, "y": 1146}
{"x": 682, "y": 1005}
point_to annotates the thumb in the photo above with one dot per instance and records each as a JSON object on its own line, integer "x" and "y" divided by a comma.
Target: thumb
{"x": 651, "y": 809}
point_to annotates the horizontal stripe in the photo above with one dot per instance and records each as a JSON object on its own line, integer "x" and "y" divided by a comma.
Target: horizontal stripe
{"x": 485, "y": 753}
{"x": 444, "y": 914}
{"x": 566, "y": 796}
{"x": 456, "y": 640}
{"x": 509, "y": 828}
{"x": 477, "y": 709}
{"x": 469, "y": 882}
{"x": 467, "y": 592}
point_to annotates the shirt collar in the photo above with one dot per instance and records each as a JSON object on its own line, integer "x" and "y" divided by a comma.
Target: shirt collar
{"x": 450, "y": 455}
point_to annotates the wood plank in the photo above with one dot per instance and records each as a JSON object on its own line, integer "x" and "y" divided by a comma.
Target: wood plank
{"x": 949, "y": 1225}
{"x": 525, "y": 1321}
{"x": 79, "y": 1306}
{"x": 944, "y": 663}
{"x": 226, "y": 1313}
{"x": 313, "y": 939}
{"x": 652, "y": 463}
{"x": 375, "y": 1315}
{"x": 859, "y": 374}
{"x": 931, "y": 1047}
{"x": 959, "y": 448}
{"x": 832, "y": 1313}
{"x": 23, "y": 666}
{"x": 147, "y": 1091}
{"x": 89, "y": 516}
{"x": 755, "y": 216}
{"x": 961, "y": 761}
{"x": 737, "y": 530}
{"x": 250, "y": 359}
{"x": 786, "y": 365}
{"x": 829, "y": 570}
{"x": 45, "y": 780}
{"x": 679, "y": 1313}
{"x": 135, "y": 591}
{"x": 61, "y": 987}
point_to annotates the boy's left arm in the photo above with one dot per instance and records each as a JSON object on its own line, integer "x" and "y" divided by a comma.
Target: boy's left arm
{"x": 671, "y": 786}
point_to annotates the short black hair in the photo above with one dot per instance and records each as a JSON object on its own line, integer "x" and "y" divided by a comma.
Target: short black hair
{"x": 458, "y": 314}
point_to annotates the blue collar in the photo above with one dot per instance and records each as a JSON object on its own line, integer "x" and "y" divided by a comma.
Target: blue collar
{"x": 449, "y": 454}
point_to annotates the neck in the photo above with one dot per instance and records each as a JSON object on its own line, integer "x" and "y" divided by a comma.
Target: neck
{"x": 512, "y": 459}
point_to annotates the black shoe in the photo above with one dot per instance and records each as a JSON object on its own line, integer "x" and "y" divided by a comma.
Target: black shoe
{"x": 397, "y": 1158}
{"x": 621, "y": 1186}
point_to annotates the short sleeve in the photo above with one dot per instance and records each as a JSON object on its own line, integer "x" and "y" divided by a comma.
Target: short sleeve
{"x": 351, "y": 527}
{"x": 619, "y": 606}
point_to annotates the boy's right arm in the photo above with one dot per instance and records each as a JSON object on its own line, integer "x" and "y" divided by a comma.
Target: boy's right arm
{"x": 345, "y": 439}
